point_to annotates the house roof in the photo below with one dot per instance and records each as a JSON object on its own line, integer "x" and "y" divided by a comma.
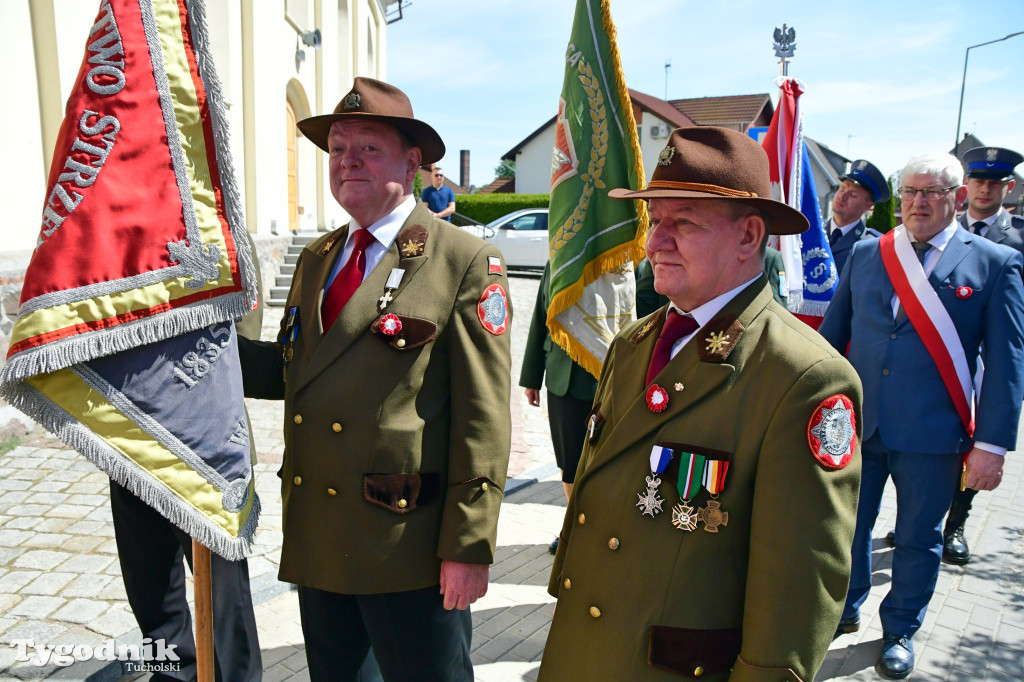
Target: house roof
{"x": 645, "y": 102}
{"x": 499, "y": 186}
{"x": 728, "y": 110}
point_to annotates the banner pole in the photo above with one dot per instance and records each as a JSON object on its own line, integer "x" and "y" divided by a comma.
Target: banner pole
{"x": 204, "y": 611}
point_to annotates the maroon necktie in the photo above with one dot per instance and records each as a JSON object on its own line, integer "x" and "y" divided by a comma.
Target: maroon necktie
{"x": 676, "y": 327}
{"x": 348, "y": 280}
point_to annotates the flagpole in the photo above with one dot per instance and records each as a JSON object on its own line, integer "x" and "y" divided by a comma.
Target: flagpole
{"x": 204, "y": 611}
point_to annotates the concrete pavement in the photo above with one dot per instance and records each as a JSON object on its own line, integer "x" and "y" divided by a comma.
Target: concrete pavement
{"x": 60, "y": 580}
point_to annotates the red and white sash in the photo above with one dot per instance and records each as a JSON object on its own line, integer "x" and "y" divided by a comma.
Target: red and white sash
{"x": 930, "y": 319}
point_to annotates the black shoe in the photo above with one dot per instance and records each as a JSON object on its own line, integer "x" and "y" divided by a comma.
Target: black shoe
{"x": 890, "y": 538}
{"x": 897, "y": 659}
{"x": 553, "y": 548}
{"x": 954, "y": 547}
{"x": 847, "y": 626}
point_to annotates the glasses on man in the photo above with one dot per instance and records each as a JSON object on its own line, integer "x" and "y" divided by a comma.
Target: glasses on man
{"x": 910, "y": 193}
{"x": 438, "y": 175}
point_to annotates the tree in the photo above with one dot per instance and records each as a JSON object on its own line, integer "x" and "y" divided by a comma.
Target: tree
{"x": 883, "y": 217}
{"x": 505, "y": 169}
{"x": 417, "y": 184}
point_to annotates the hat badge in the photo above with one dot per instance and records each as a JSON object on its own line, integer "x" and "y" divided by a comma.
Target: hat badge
{"x": 352, "y": 101}
{"x": 666, "y": 156}
{"x": 991, "y": 154}
{"x": 861, "y": 165}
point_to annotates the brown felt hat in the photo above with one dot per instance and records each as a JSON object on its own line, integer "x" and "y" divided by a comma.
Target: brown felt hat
{"x": 373, "y": 100}
{"x": 704, "y": 162}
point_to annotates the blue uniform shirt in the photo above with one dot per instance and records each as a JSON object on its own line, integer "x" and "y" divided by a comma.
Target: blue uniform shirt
{"x": 438, "y": 199}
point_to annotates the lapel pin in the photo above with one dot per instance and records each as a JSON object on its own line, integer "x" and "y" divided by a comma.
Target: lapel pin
{"x": 657, "y": 398}
{"x": 678, "y": 386}
{"x": 964, "y": 292}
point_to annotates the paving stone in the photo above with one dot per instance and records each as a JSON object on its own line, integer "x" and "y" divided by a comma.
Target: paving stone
{"x": 37, "y": 607}
{"x": 69, "y": 511}
{"x": 13, "y": 538}
{"x": 85, "y": 585}
{"x": 11, "y": 583}
{"x": 81, "y": 611}
{"x": 15, "y": 497}
{"x": 33, "y": 510}
{"x": 14, "y": 484}
{"x": 48, "y": 584}
{"x": 88, "y": 500}
{"x": 87, "y": 563}
{"x": 54, "y": 540}
{"x": 85, "y": 527}
{"x": 53, "y": 525}
{"x": 47, "y": 498}
{"x": 41, "y": 559}
{"x": 78, "y": 544}
{"x": 115, "y": 623}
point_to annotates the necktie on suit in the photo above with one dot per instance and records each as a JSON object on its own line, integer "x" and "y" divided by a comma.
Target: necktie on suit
{"x": 977, "y": 226}
{"x": 348, "y": 279}
{"x": 676, "y": 327}
{"x": 835, "y": 236}
{"x": 920, "y": 249}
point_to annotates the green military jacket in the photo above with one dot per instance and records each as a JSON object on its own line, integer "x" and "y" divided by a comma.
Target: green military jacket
{"x": 751, "y": 588}
{"x": 543, "y": 356}
{"x": 396, "y": 445}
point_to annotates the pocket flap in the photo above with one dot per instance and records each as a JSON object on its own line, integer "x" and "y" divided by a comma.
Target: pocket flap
{"x": 401, "y": 493}
{"x": 413, "y": 333}
{"x": 694, "y": 653}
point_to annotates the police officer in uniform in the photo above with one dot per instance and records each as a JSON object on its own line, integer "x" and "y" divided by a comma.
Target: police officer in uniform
{"x": 708, "y": 526}
{"x": 989, "y": 179}
{"x": 393, "y": 362}
{"x": 861, "y": 188}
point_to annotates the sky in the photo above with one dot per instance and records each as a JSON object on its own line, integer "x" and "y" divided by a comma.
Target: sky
{"x": 882, "y": 79}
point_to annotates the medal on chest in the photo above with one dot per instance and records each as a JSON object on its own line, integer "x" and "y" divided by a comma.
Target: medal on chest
{"x": 696, "y": 471}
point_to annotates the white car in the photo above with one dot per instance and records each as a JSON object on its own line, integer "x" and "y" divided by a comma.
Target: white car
{"x": 521, "y": 235}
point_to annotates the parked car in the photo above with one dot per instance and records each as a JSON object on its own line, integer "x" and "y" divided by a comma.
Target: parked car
{"x": 521, "y": 235}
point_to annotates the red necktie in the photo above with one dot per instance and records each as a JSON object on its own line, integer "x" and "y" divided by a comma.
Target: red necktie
{"x": 676, "y": 327}
{"x": 348, "y": 279}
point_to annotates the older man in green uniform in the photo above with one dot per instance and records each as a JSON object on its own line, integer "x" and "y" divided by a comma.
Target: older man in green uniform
{"x": 393, "y": 361}
{"x": 707, "y": 534}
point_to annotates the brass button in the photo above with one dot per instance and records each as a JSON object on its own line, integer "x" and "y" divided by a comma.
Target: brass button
{"x": 568, "y": 584}
{"x": 698, "y": 671}
{"x": 297, "y": 419}
{"x": 337, "y": 427}
{"x": 297, "y": 480}
{"x": 400, "y": 343}
{"x": 582, "y": 518}
{"x": 885, "y": 372}
{"x": 332, "y": 492}
{"x": 595, "y": 612}
{"x": 402, "y": 504}
{"x": 483, "y": 486}
{"x": 613, "y": 544}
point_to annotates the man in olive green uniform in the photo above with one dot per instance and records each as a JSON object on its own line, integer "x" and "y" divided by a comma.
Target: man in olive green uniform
{"x": 708, "y": 527}
{"x": 396, "y": 380}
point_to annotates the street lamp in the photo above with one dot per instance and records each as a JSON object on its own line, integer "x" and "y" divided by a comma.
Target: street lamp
{"x": 963, "y": 83}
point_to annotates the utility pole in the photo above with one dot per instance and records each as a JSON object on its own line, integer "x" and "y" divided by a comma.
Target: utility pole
{"x": 668, "y": 65}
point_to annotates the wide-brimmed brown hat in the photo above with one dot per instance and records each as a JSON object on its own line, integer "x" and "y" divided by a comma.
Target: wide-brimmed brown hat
{"x": 704, "y": 162}
{"x": 373, "y": 100}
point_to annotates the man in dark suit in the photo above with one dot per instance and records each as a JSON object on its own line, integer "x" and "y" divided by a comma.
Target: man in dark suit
{"x": 989, "y": 180}
{"x": 570, "y": 389}
{"x": 731, "y": 562}
{"x": 861, "y": 188}
{"x": 914, "y": 328}
{"x": 393, "y": 361}
{"x": 152, "y": 552}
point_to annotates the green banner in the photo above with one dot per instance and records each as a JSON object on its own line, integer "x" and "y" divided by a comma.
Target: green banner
{"x": 594, "y": 240}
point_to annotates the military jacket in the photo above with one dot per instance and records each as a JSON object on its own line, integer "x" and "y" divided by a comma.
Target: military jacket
{"x": 397, "y": 436}
{"x": 749, "y": 588}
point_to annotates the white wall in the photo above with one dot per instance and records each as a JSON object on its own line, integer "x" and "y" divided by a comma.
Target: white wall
{"x": 346, "y": 25}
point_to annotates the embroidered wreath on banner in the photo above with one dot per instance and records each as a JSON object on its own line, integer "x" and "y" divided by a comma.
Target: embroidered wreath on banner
{"x": 599, "y": 149}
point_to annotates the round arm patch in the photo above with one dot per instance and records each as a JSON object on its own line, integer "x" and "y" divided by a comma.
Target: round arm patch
{"x": 493, "y": 309}
{"x": 832, "y": 432}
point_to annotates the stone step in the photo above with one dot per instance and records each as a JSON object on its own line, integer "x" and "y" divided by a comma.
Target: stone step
{"x": 291, "y": 258}
{"x": 288, "y": 269}
{"x": 283, "y": 281}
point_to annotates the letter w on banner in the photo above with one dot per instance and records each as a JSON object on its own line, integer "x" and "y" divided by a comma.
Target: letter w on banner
{"x": 594, "y": 240}
{"x": 811, "y": 274}
{"x": 125, "y": 344}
